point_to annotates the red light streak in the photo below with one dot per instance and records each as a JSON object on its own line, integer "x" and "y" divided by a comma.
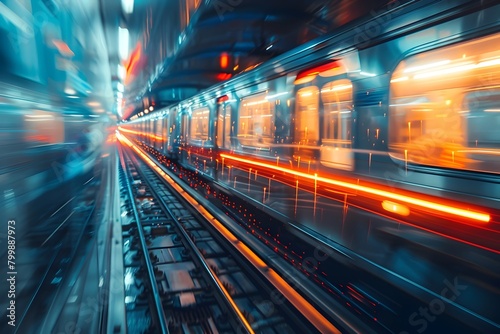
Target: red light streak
{"x": 479, "y": 216}
{"x": 312, "y": 72}
{"x": 223, "y": 76}
{"x": 223, "y": 98}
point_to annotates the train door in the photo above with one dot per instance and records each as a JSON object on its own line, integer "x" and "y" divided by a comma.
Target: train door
{"x": 151, "y": 132}
{"x": 173, "y": 136}
{"x": 307, "y": 131}
{"x": 158, "y": 134}
{"x": 336, "y": 144}
{"x": 183, "y": 134}
{"x": 256, "y": 124}
{"x": 323, "y": 114}
{"x": 223, "y": 124}
{"x": 165, "y": 134}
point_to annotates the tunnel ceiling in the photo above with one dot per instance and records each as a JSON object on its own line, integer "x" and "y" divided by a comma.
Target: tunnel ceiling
{"x": 177, "y": 48}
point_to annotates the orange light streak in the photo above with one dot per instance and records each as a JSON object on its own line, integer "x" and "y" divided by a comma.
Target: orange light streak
{"x": 479, "y": 216}
{"x": 132, "y": 62}
{"x": 141, "y": 134}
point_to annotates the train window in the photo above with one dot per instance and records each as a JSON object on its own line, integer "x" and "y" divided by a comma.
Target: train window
{"x": 336, "y": 140}
{"x": 199, "y": 124}
{"x": 227, "y": 127}
{"x": 256, "y": 121}
{"x": 445, "y": 107}
{"x": 307, "y": 116}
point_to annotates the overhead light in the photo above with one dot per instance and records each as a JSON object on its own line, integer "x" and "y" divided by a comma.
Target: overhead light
{"x": 151, "y": 108}
{"x": 70, "y": 91}
{"x": 123, "y": 37}
{"x": 120, "y": 87}
{"x": 224, "y": 60}
{"x": 93, "y": 104}
{"x": 128, "y": 6}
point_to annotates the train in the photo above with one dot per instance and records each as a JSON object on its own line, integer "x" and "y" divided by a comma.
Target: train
{"x": 380, "y": 138}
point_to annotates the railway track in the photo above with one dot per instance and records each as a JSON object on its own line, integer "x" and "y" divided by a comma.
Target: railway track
{"x": 183, "y": 277}
{"x": 350, "y": 292}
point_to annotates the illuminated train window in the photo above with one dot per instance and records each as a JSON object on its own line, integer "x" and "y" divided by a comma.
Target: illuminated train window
{"x": 307, "y": 116}
{"x": 199, "y": 124}
{"x": 336, "y": 148}
{"x": 445, "y": 107}
{"x": 255, "y": 121}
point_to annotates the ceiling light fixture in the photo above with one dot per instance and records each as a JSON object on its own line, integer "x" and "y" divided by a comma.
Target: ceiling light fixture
{"x": 128, "y": 6}
{"x": 123, "y": 38}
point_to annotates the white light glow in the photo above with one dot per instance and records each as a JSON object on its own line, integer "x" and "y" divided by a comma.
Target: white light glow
{"x": 405, "y": 78}
{"x": 450, "y": 70}
{"x": 123, "y": 38}
{"x": 426, "y": 66}
{"x": 255, "y": 103}
{"x": 70, "y": 91}
{"x": 336, "y": 88}
{"x": 128, "y": 6}
{"x": 121, "y": 72}
{"x": 270, "y": 97}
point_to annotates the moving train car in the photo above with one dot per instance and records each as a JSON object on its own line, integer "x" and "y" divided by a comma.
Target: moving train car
{"x": 381, "y": 138}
